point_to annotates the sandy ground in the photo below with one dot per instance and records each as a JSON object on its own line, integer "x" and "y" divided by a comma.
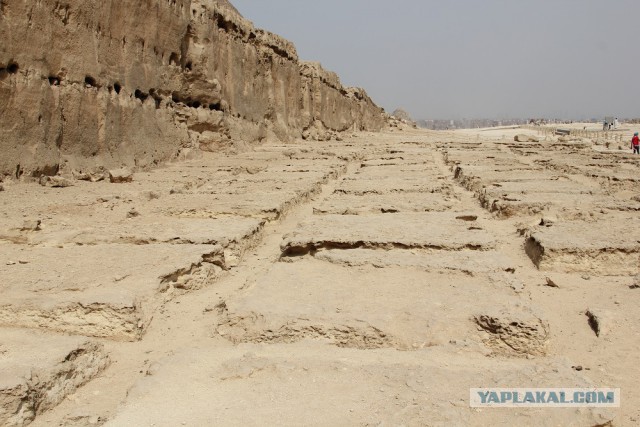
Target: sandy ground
{"x": 367, "y": 282}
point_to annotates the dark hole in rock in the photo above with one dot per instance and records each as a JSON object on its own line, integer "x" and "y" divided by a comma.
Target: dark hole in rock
{"x": 196, "y": 104}
{"x": 188, "y": 66}
{"x": 216, "y": 106}
{"x": 174, "y": 59}
{"x": 156, "y": 97}
{"x": 90, "y": 81}
{"x": 18, "y": 171}
{"x": 141, "y": 95}
{"x": 175, "y": 97}
{"x": 13, "y": 68}
{"x": 54, "y": 80}
{"x": 467, "y": 217}
{"x": 117, "y": 87}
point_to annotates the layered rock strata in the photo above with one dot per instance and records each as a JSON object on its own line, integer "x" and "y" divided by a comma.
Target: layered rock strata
{"x": 111, "y": 83}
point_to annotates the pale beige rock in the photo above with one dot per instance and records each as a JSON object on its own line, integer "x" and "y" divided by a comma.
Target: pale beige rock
{"x": 424, "y": 230}
{"x": 31, "y": 225}
{"x": 38, "y": 371}
{"x": 83, "y": 294}
{"x": 119, "y": 176}
{"x": 521, "y": 333}
{"x": 385, "y": 319}
{"x": 353, "y": 204}
{"x": 55, "y": 181}
{"x": 330, "y": 305}
{"x": 360, "y": 387}
{"x": 93, "y": 175}
{"x": 468, "y": 261}
{"x": 583, "y": 247}
{"x": 526, "y": 138}
{"x": 601, "y": 321}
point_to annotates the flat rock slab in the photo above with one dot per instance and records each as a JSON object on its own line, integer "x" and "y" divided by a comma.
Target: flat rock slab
{"x": 567, "y": 206}
{"x": 468, "y": 261}
{"x": 37, "y": 371}
{"x": 475, "y": 178}
{"x": 606, "y": 247}
{"x": 267, "y": 205}
{"x": 104, "y": 291}
{"x": 560, "y": 185}
{"x": 303, "y": 184}
{"x": 436, "y": 230}
{"x": 312, "y": 385}
{"x": 400, "y": 161}
{"x": 562, "y": 205}
{"x": 351, "y": 204}
{"x": 485, "y": 158}
{"x": 229, "y": 232}
{"x": 403, "y": 173}
{"x": 393, "y": 185}
{"x": 366, "y": 307}
{"x": 381, "y": 169}
{"x": 508, "y": 169}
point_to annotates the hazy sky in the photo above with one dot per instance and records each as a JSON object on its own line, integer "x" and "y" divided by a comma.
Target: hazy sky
{"x": 472, "y": 58}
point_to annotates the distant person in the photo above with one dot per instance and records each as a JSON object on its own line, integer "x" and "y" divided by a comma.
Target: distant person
{"x": 635, "y": 143}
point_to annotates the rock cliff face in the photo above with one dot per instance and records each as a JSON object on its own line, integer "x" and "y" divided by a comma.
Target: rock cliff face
{"x": 138, "y": 82}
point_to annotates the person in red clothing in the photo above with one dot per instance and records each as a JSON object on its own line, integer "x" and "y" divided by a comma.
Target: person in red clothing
{"x": 635, "y": 143}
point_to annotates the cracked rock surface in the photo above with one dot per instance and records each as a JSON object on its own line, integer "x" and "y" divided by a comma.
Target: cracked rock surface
{"x": 366, "y": 281}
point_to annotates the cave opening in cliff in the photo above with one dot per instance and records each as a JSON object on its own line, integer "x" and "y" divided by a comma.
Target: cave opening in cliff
{"x": 215, "y": 107}
{"x": 90, "y": 81}
{"x": 196, "y": 104}
{"x": 54, "y": 80}
{"x": 13, "y": 68}
{"x": 117, "y": 87}
{"x": 226, "y": 25}
{"x": 174, "y": 59}
{"x": 141, "y": 95}
{"x": 188, "y": 66}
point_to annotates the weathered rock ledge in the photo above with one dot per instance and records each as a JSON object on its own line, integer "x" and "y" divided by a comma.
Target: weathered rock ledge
{"x": 112, "y": 83}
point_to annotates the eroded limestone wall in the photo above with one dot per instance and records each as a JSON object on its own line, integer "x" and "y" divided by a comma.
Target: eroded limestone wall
{"x": 88, "y": 83}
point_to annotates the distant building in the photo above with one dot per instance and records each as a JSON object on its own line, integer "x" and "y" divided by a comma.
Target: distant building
{"x": 445, "y": 124}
